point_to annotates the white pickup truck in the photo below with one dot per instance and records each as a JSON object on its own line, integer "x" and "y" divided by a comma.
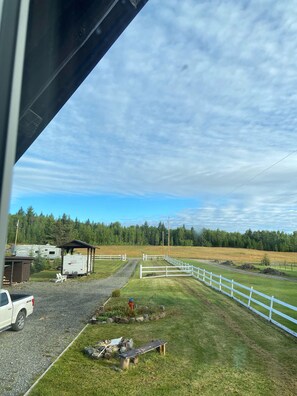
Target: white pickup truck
{"x": 14, "y": 308}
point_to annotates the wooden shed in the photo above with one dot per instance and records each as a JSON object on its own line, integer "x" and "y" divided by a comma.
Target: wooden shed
{"x": 17, "y": 269}
{"x": 77, "y": 258}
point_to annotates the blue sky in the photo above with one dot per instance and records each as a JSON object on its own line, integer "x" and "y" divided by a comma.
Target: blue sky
{"x": 191, "y": 115}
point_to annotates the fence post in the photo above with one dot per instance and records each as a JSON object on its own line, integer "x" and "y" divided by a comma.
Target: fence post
{"x": 210, "y": 279}
{"x": 140, "y": 271}
{"x": 203, "y": 275}
{"x": 192, "y": 270}
{"x": 250, "y": 296}
{"x": 271, "y": 306}
{"x": 232, "y": 288}
{"x": 220, "y": 286}
{"x": 166, "y": 271}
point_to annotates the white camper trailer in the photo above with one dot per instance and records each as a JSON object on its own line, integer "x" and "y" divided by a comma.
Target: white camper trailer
{"x": 47, "y": 251}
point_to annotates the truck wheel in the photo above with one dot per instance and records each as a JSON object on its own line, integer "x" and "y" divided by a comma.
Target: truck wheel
{"x": 20, "y": 321}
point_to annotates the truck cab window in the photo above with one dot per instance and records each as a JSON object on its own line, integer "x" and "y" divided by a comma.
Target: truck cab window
{"x": 3, "y": 299}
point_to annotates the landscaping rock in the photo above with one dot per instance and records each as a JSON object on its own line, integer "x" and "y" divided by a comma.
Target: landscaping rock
{"x": 89, "y": 351}
{"x": 146, "y": 317}
{"x": 123, "y": 320}
{"x": 109, "y": 320}
{"x": 139, "y": 319}
{"x": 162, "y": 308}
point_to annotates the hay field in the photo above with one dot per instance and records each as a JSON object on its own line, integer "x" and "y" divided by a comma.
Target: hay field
{"x": 206, "y": 253}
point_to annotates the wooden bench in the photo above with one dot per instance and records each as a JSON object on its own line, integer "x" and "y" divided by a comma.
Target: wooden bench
{"x": 133, "y": 354}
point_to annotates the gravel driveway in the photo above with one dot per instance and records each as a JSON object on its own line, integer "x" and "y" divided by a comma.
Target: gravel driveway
{"x": 61, "y": 311}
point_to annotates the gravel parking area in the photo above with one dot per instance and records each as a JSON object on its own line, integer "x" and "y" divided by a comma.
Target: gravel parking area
{"x": 61, "y": 312}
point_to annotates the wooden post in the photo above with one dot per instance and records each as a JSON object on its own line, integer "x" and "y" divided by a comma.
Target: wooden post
{"x": 220, "y": 286}
{"x": 125, "y": 363}
{"x": 162, "y": 349}
{"x": 232, "y": 288}
{"x": 140, "y": 271}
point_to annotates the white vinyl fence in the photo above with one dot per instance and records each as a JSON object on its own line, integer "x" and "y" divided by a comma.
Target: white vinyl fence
{"x": 154, "y": 271}
{"x": 122, "y": 257}
{"x": 268, "y": 307}
{"x": 146, "y": 257}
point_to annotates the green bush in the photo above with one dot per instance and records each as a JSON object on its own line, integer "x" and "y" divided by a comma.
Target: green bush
{"x": 39, "y": 264}
{"x": 265, "y": 260}
{"x": 116, "y": 293}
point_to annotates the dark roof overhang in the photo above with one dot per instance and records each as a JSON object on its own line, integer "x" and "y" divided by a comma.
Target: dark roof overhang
{"x": 76, "y": 244}
{"x": 65, "y": 41}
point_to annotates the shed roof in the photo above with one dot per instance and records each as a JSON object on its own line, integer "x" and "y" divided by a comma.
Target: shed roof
{"x": 18, "y": 258}
{"x": 75, "y": 243}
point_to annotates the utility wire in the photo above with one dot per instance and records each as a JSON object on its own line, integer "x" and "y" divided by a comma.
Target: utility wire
{"x": 261, "y": 172}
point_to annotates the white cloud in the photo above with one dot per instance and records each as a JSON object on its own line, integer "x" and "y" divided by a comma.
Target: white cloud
{"x": 194, "y": 100}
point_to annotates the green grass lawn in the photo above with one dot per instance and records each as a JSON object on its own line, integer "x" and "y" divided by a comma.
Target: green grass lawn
{"x": 281, "y": 289}
{"x": 214, "y": 347}
{"x": 44, "y": 276}
{"x": 102, "y": 269}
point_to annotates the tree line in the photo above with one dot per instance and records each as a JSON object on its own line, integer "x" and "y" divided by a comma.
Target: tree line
{"x": 42, "y": 229}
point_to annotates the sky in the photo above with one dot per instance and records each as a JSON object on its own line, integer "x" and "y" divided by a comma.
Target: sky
{"x": 190, "y": 117}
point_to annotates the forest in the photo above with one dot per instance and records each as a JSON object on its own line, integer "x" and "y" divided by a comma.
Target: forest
{"x": 32, "y": 228}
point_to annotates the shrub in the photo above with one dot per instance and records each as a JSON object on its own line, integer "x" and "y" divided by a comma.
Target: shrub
{"x": 116, "y": 293}
{"x": 265, "y": 260}
{"x": 39, "y": 263}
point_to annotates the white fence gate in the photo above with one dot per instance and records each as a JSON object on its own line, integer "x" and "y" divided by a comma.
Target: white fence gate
{"x": 268, "y": 307}
{"x": 146, "y": 257}
{"x": 162, "y": 271}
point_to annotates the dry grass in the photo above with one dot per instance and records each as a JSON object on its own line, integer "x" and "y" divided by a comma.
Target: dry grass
{"x": 206, "y": 253}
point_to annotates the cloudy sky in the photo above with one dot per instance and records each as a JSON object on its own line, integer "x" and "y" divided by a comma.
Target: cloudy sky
{"x": 191, "y": 115}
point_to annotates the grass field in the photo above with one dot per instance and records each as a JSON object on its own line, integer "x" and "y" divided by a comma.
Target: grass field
{"x": 281, "y": 289}
{"x": 206, "y": 253}
{"x": 215, "y": 347}
{"x": 102, "y": 269}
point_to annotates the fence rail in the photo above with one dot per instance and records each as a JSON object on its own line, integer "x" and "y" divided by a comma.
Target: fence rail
{"x": 146, "y": 257}
{"x": 268, "y": 307}
{"x": 162, "y": 271}
{"x": 122, "y": 257}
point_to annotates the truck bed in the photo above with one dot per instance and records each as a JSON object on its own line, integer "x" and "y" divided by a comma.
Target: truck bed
{"x": 16, "y": 296}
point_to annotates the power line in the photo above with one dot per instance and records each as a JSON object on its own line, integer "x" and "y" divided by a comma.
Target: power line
{"x": 261, "y": 172}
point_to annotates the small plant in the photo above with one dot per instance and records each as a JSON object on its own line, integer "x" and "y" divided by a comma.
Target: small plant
{"x": 116, "y": 293}
{"x": 265, "y": 260}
